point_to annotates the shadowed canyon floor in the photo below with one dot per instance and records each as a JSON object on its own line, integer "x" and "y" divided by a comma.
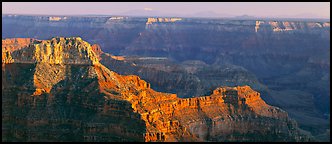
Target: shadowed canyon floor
{"x": 57, "y": 90}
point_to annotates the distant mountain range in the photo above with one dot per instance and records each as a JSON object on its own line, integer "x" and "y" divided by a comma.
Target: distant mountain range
{"x": 212, "y": 14}
{"x": 202, "y": 14}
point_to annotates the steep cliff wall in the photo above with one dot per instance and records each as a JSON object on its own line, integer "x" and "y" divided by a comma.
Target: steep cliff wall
{"x": 56, "y": 51}
{"x": 85, "y": 101}
{"x": 161, "y": 20}
{"x": 279, "y": 26}
{"x": 10, "y": 45}
{"x": 187, "y": 79}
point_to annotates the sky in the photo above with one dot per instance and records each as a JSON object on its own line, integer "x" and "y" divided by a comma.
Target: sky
{"x": 257, "y": 9}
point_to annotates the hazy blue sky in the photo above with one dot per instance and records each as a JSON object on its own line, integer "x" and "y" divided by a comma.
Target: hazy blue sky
{"x": 260, "y": 9}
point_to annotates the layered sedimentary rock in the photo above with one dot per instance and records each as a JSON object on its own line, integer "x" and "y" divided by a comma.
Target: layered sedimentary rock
{"x": 294, "y": 63}
{"x": 279, "y": 26}
{"x": 10, "y": 45}
{"x": 161, "y": 20}
{"x": 56, "y": 18}
{"x": 187, "y": 79}
{"x": 13, "y": 44}
{"x": 78, "y": 99}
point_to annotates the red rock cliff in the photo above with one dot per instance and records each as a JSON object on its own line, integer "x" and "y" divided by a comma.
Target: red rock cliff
{"x": 86, "y": 101}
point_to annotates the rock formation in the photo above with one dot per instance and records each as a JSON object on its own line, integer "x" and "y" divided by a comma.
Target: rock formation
{"x": 10, "y": 45}
{"x": 279, "y": 26}
{"x": 187, "y": 79}
{"x": 56, "y": 18}
{"x": 55, "y": 51}
{"x": 294, "y": 64}
{"x": 56, "y": 90}
{"x": 161, "y": 20}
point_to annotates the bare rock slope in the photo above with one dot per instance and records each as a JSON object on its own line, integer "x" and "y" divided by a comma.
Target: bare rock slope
{"x": 56, "y": 90}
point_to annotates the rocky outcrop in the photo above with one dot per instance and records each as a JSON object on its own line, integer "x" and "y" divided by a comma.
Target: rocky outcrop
{"x": 150, "y": 21}
{"x": 47, "y": 101}
{"x": 56, "y": 18}
{"x": 187, "y": 79}
{"x": 258, "y": 23}
{"x": 55, "y": 51}
{"x": 162, "y": 20}
{"x": 279, "y": 26}
{"x": 212, "y": 118}
{"x": 116, "y": 18}
{"x": 97, "y": 50}
{"x": 10, "y": 45}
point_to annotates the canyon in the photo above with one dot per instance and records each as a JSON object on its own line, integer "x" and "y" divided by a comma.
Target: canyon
{"x": 57, "y": 90}
{"x": 286, "y": 60}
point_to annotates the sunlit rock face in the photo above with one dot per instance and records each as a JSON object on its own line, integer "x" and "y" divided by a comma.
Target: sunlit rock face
{"x": 55, "y": 51}
{"x": 10, "y": 45}
{"x": 287, "y": 60}
{"x": 279, "y": 26}
{"x": 45, "y": 100}
{"x": 161, "y": 20}
{"x": 79, "y": 99}
{"x": 192, "y": 78}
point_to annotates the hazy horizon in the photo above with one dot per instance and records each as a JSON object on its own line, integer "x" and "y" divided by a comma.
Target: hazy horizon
{"x": 181, "y": 9}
